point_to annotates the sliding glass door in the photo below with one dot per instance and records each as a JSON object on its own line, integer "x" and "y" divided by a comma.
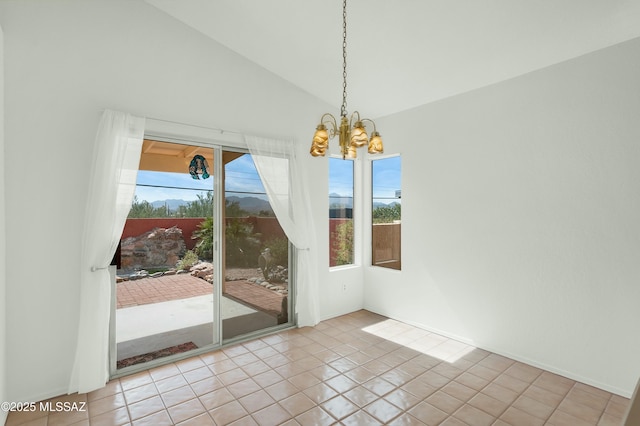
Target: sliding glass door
{"x": 256, "y": 253}
{"x": 202, "y": 261}
{"x": 165, "y": 288}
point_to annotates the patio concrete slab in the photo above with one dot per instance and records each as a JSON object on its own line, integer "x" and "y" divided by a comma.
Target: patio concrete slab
{"x": 155, "y": 318}
{"x": 151, "y": 327}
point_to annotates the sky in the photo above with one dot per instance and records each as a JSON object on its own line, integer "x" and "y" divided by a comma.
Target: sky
{"x": 386, "y": 178}
{"x": 162, "y": 179}
{"x": 242, "y": 177}
{"x": 243, "y": 180}
{"x": 341, "y": 177}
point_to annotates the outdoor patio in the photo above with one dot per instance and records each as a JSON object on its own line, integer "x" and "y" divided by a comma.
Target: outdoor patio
{"x": 183, "y": 286}
{"x": 159, "y": 316}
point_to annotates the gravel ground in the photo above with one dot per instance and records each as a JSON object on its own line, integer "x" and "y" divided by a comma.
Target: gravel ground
{"x": 235, "y": 274}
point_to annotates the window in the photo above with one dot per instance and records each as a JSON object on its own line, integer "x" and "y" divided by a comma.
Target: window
{"x": 386, "y": 212}
{"x": 340, "y": 212}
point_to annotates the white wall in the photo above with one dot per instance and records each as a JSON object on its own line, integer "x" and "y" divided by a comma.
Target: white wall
{"x": 520, "y": 218}
{"x": 3, "y": 377}
{"x": 65, "y": 62}
{"x": 343, "y": 291}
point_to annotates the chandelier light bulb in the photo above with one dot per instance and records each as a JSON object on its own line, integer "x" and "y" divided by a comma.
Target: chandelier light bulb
{"x": 359, "y": 137}
{"x": 375, "y": 144}
{"x": 320, "y": 141}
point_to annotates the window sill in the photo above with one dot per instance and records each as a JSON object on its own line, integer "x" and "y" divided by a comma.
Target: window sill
{"x": 343, "y": 267}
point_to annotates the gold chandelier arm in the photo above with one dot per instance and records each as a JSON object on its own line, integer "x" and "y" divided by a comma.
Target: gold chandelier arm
{"x": 372, "y": 122}
{"x": 331, "y": 122}
{"x": 351, "y": 120}
{"x": 332, "y": 119}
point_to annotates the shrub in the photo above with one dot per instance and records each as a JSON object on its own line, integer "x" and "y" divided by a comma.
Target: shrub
{"x": 204, "y": 235}
{"x": 279, "y": 249}
{"x": 343, "y": 243}
{"x": 242, "y": 248}
{"x": 387, "y": 214}
{"x": 189, "y": 259}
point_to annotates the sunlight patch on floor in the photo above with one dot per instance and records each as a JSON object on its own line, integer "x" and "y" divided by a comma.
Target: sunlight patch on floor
{"x": 432, "y": 344}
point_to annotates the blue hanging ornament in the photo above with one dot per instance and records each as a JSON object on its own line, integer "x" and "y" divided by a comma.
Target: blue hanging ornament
{"x": 197, "y": 166}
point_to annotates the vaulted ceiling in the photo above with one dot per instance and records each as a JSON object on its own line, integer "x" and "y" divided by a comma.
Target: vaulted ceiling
{"x": 405, "y": 53}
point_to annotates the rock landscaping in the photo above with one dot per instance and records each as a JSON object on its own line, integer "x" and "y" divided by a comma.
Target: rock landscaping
{"x": 160, "y": 247}
{"x": 204, "y": 270}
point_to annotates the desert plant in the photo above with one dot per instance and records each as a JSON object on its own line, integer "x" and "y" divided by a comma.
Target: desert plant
{"x": 188, "y": 260}
{"x": 201, "y": 207}
{"x": 279, "y": 250}
{"x": 242, "y": 248}
{"x": 144, "y": 209}
{"x": 343, "y": 243}
{"x": 204, "y": 235}
{"x": 387, "y": 214}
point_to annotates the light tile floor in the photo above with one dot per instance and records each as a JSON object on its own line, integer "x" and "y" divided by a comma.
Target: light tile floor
{"x": 358, "y": 369}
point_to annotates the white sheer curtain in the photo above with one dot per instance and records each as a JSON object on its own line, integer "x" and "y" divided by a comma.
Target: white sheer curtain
{"x": 116, "y": 156}
{"x": 283, "y": 180}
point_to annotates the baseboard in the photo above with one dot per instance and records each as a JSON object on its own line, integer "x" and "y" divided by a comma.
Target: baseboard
{"x": 42, "y": 396}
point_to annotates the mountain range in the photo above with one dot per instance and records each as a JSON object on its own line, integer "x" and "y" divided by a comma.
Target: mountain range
{"x": 171, "y": 203}
{"x": 255, "y": 205}
{"x": 340, "y": 201}
{"x": 249, "y": 204}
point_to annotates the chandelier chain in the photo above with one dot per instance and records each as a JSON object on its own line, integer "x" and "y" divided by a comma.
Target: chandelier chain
{"x": 343, "y": 109}
{"x": 352, "y": 134}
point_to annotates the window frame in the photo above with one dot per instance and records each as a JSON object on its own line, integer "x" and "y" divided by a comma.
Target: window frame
{"x": 369, "y": 196}
{"x": 357, "y": 211}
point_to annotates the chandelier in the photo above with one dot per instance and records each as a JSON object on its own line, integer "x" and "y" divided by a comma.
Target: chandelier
{"x": 352, "y": 133}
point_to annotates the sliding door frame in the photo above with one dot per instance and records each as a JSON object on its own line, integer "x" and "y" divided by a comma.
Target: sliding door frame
{"x": 218, "y": 141}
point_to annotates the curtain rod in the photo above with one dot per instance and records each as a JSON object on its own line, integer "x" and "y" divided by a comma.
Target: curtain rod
{"x": 196, "y": 126}
{"x": 222, "y": 131}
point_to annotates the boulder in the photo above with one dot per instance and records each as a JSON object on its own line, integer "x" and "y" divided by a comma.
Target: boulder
{"x": 160, "y": 247}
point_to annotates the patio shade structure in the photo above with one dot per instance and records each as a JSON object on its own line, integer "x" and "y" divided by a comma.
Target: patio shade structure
{"x": 172, "y": 157}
